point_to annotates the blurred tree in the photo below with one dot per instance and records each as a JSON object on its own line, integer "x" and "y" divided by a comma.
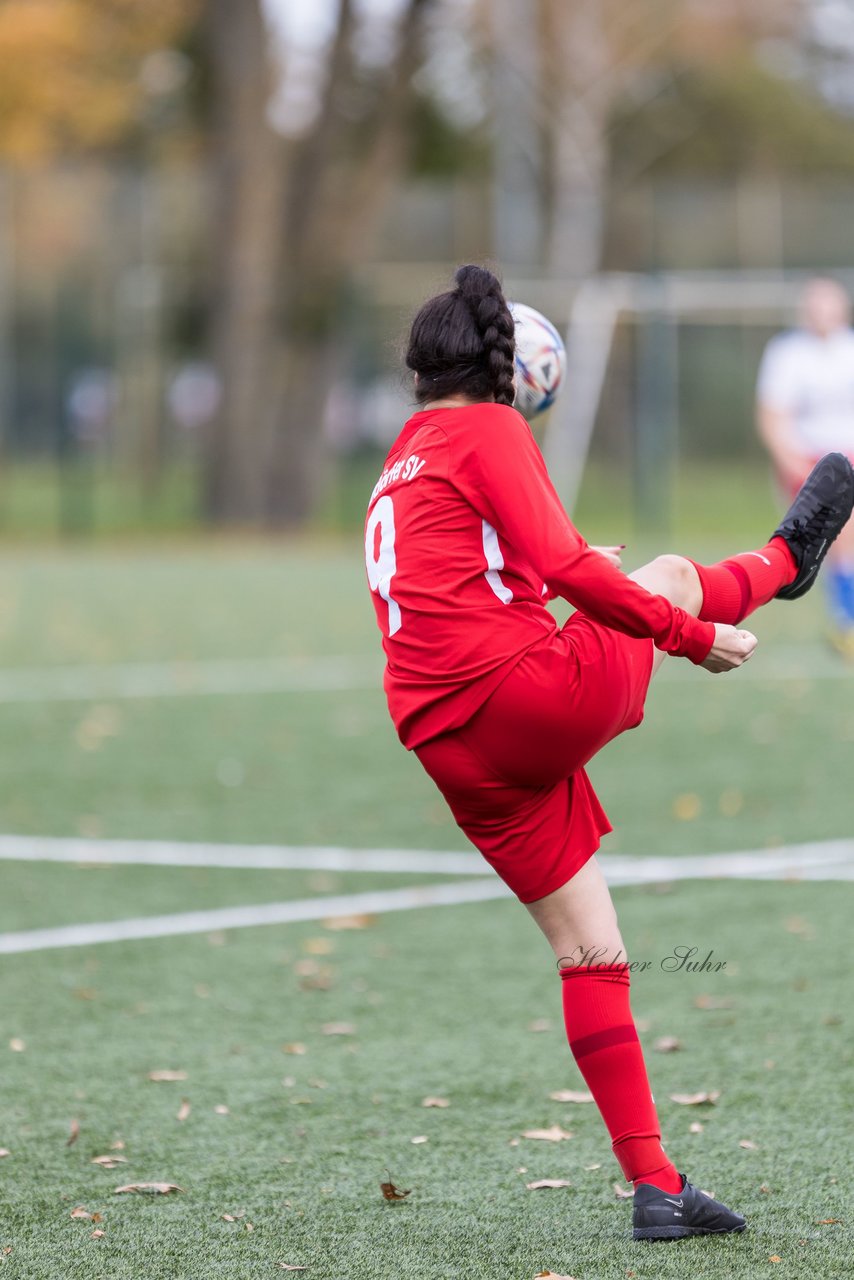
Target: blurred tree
{"x": 582, "y": 74}
{"x": 293, "y": 216}
{"x": 86, "y": 74}
{"x": 612, "y": 91}
{"x": 727, "y": 119}
{"x": 601, "y": 58}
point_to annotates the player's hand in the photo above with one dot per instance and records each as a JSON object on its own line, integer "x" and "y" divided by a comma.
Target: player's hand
{"x": 732, "y": 648}
{"x": 614, "y": 554}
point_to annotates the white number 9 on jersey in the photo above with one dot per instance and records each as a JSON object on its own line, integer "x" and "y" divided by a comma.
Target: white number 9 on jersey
{"x": 381, "y": 564}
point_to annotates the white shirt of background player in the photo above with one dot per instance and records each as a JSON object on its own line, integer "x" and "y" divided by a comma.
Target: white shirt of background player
{"x": 805, "y": 390}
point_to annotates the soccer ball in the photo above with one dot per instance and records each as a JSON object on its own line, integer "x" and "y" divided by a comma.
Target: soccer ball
{"x": 540, "y": 360}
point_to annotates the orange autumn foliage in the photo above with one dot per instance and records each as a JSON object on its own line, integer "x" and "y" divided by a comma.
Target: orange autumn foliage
{"x": 73, "y": 70}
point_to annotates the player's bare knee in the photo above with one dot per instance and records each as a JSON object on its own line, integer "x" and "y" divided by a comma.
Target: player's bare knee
{"x": 682, "y": 585}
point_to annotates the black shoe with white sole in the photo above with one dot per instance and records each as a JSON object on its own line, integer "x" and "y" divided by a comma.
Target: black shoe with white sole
{"x": 818, "y": 515}
{"x": 667, "y": 1215}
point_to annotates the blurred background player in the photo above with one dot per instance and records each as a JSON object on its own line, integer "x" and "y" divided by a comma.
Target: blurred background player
{"x": 805, "y": 408}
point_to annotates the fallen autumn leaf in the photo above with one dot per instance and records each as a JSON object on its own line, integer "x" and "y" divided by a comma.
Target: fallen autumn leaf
{"x": 318, "y": 946}
{"x": 687, "y": 807}
{"x": 547, "y": 1182}
{"x": 554, "y": 1134}
{"x": 570, "y": 1095}
{"x": 149, "y": 1188}
{"x": 391, "y": 1192}
{"x": 713, "y": 1002}
{"x": 695, "y": 1099}
{"x": 359, "y": 921}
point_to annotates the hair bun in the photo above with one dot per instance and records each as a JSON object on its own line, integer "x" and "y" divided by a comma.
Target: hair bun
{"x": 475, "y": 283}
{"x": 464, "y": 341}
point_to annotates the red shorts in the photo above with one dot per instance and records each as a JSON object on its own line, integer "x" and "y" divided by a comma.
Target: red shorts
{"x": 514, "y": 775}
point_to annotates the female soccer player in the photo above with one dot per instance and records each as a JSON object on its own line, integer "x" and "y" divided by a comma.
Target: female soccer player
{"x": 465, "y": 539}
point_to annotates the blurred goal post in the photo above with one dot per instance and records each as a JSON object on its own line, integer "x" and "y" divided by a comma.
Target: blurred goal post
{"x": 658, "y": 305}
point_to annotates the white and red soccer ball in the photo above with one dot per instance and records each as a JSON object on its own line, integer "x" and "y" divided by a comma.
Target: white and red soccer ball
{"x": 540, "y": 360}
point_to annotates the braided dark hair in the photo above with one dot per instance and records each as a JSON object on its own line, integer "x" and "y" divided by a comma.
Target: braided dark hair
{"x": 463, "y": 342}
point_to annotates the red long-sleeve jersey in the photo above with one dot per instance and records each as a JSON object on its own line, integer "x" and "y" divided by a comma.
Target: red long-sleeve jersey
{"x": 465, "y": 538}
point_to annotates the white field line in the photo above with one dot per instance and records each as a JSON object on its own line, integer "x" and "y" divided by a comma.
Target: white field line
{"x": 823, "y": 860}
{"x": 252, "y": 857}
{"x": 80, "y": 935}
{"x": 832, "y": 860}
{"x": 182, "y": 679}
{"x": 189, "y": 679}
{"x": 794, "y": 859}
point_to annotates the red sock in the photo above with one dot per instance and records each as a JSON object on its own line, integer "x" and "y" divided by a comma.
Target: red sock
{"x": 604, "y": 1043}
{"x": 735, "y": 587}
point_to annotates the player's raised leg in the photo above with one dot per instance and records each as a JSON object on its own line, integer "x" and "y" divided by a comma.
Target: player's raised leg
{"x": 788, "y": 565}
{"x": 785, "y": 568}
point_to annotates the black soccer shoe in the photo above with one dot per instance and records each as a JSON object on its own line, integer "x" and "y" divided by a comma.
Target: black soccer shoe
{"x": 818, "y": 515}
{"x": 662, "y": 1215}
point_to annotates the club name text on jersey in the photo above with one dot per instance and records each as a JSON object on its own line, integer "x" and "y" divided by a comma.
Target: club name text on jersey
{"x": 406, "y": 469}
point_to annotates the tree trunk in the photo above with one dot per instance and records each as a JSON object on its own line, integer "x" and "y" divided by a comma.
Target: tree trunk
{"x": 577, "y": 59}
{"x": 349, "y": 203}
{"x": 246, "y": 259}
{"x": 298, "y": 475}
{"x": 291, "y": 222}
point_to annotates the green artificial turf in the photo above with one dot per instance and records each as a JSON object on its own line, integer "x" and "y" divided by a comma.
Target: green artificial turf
{"x": 440, "y": 1003}
{"x": 762, "y": 760}
{"x": 441, "y": 998}
{"x": 39, "y": 895}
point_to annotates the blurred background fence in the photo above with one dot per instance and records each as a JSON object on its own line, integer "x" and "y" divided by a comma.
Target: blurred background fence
{"x": 213, "y": 231}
